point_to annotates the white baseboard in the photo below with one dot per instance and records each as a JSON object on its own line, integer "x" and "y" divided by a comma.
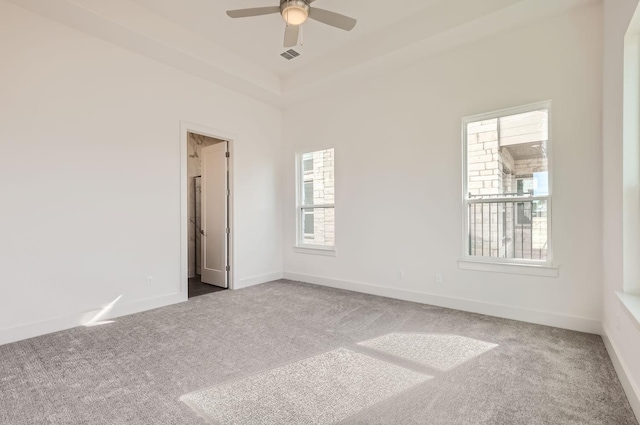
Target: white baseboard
{"x": 257, "y": 280}
{"x": 630, "y": 387}
{"x": 34, "y": 329}
{"x": 147, "y": 304}
{"x": 580, "y": 324}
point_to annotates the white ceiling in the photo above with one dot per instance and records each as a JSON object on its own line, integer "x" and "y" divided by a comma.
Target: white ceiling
{"x": 196, "y": 36}
{"x": 260, "y": 39}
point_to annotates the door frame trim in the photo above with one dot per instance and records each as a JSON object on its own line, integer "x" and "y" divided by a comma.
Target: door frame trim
{"x": 186, "y": 128}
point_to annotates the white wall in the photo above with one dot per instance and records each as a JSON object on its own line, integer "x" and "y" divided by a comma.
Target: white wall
{"x": 399, "y": 175}
{"x": 90, "y": 175}
{"x": 631, "y": 164}
{"x": 620, "y": 330}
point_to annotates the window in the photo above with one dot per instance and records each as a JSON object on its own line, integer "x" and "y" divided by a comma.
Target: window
{"x": 506, "y": 185}
{"x": 316, "y": 200}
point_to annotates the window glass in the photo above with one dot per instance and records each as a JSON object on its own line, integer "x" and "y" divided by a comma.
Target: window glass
{"x": 507, "y": 160}
{"x": 502, "y": 150}
{"x": 317, "y": 197}
{"x": 318, "y": 175}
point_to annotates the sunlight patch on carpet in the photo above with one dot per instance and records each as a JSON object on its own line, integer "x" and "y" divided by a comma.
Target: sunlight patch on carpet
{"x": 323, "y": 389}
{"x": 438, "y": 351}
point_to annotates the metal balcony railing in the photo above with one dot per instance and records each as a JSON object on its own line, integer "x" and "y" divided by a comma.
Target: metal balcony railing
{"x": 515, "y": 226}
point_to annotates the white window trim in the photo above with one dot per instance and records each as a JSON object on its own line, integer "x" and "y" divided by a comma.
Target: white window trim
{"x": 508, "y": 265}
{"x": 301, "y": 247}
{"x": 315, "y": 250}
{"x": 509, "y": 268}
{"x": 631, "y": 303}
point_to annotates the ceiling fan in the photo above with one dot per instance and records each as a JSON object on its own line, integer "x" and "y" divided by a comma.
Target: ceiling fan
{"x": 295, "y": 13}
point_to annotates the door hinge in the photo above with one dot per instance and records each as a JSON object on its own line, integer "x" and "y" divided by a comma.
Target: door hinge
{"x": 228, "y": 268}
{"x": 228, "y": 192}
{"x": 227, "y": 154}
{"x": 228, "y": 230}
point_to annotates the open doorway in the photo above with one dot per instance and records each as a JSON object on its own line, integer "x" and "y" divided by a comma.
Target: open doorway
{"x": 208, "y": 227}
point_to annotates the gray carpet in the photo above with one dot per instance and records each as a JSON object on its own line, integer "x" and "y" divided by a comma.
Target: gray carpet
{"x": 322, "y": 389}
{"x": 136, "y": 370}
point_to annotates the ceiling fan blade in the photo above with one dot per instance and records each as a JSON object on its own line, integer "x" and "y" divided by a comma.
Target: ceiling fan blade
{"x": 256, "y": 11}
{"x": 291, "y": 33}
{"x": 332, "y": 18}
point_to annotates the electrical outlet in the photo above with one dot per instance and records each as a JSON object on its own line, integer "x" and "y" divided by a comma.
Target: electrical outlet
{"x": 438, "y": 278}
{"x": 149, "y": 280}
{"x": 401, "y": 273}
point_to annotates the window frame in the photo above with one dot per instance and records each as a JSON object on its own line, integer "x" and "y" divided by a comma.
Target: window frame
{"x": 301, "y": 246}
{"x": 466, "y": 201}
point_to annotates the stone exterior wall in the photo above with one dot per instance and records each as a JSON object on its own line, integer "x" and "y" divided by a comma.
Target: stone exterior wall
{"x": 530, "y": 166}
{"x": 322, "y": 177}
{"x": 508, "y": 171}
{"x": 485, "y": 170}
{"x": 483, "y": 157}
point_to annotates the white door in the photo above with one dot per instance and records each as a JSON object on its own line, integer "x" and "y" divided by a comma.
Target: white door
{"x": 214, "y": 215}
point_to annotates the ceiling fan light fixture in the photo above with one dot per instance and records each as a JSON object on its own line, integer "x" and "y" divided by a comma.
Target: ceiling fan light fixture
{"x": 294, "y": 12}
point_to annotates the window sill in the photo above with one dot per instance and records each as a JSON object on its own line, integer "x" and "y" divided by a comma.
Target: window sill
{"x": 511, "y": 268}
{"x": 327, "y": 252}
{"x": 632, "y": 305}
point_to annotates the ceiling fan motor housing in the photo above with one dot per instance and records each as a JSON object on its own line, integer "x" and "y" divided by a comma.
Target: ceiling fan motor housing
{"x": 294, "y": 12}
